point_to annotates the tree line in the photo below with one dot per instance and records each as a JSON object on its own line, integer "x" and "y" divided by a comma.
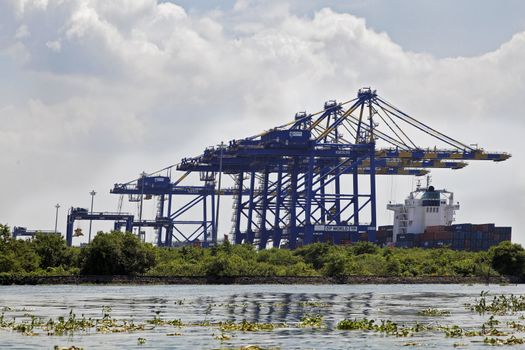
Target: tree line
{"x": 118, "y": 253}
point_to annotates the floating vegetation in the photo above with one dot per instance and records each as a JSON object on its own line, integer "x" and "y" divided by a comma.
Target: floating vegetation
{"x": 67, "y": 348}
{"x": 176, "y": 323}
{"x": 141, "y": 341}
{"x": 312, "y": 303}
{"x": 311, "y": 321}
{"x": 433, "y": 312}
{"x": 456, "y": 331}
{"x": 70, "y": 325}
{"x": 156, "y": 319}
{"x": 246, "y": 326}
{"x": 350, "y": 325}
{"x": 487, "y": 329}
{"x": 222, "y": 337}
{"x": 499, "y": 305}
{"x": 516, "y": 325}
{"x": 512, "y": 340}
{"x": 387, "y": 327}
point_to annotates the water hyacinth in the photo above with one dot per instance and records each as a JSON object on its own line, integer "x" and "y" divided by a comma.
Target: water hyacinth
{"x": 388, "y": 327}
{"x": 499, "y": 305}
{"x": 311, "y": 321}
{"x": 433, "y": 312}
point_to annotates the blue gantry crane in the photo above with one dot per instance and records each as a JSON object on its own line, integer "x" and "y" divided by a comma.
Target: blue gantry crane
{"x": 295, "y": 172}
{"x": 19, "y": 231}
{"x": 170, "y": 221}
{"x": 310, "y": 180}
{"x": 77, "y": 214}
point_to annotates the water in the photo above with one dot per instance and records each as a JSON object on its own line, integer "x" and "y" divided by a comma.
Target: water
{"x": 254, "y": 303}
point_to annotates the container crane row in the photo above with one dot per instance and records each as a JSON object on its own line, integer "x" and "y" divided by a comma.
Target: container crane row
{"x": 312, "y": 179}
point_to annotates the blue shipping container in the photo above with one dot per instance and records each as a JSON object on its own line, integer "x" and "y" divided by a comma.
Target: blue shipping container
{"x": 462, "y": 227}
{"x": 286, "y": 138}
{"x": 459, "y": 235}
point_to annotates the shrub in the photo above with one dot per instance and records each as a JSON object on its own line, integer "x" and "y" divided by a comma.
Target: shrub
{"x": 508, "y": 258}
{"x": 52, "y": 250}
{"x": 117, "y": 253}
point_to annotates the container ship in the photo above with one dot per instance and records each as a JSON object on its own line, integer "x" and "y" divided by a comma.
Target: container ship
{"x": 426, "y": 220}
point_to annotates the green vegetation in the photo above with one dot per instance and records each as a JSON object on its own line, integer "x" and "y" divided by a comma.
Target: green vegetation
{"x": 508, "y": 258}
{"x": 118, "y": 253}
{"x": 311, "y": 321}
{"x": 387, "y": 327}
{"x": 431, "y": 312}
{"x": 499, "y": 305}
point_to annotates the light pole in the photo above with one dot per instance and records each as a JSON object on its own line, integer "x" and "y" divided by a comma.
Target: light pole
{"x": 219, "y": 193}
{"x": 56, "y": 216}
{"x": 143, "y": 179}
{"x": 92, "y": 193}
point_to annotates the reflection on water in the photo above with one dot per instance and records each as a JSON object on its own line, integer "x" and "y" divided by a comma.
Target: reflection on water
{"x": 255, "y": 303}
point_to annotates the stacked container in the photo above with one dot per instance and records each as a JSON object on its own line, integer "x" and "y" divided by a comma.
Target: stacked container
{"x": 472, "y": 237}
{"x": 384, "y": 235}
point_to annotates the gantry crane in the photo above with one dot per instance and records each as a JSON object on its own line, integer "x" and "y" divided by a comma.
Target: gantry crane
{"x": 296, "y": 193}
{"x": 312, "y": 179}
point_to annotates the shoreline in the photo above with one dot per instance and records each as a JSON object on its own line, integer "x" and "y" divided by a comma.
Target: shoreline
{"x": 246, "y": 280}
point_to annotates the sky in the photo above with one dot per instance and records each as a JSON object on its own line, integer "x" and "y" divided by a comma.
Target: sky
{"x": 95, "y": 92}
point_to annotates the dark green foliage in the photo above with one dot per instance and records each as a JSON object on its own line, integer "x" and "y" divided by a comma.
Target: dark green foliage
{"x": 119, "y": 253}
{"x": 52, "y": 250}
{"x": 116, "y": 253}
{"x": 16, "y": 255}
{"x": 5, "y": 233}
{"x": 314, "y": 254}
{"x": 508, "y": 258}
{"x": 337, "y": 264}
{"x": 364, "y": 248}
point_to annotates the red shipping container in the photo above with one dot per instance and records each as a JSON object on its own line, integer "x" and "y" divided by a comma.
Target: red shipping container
{"x": 443, "y": 235}
{"x": 483, "y": 227}
{"x": 427, "y": 236}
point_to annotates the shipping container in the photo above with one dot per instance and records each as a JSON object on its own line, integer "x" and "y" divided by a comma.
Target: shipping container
{"x": 483, "y": 227}
{"x": 462, "y": 227}
{"x": 427, "y": 236}
{"x": 443, "y": 235}
{"x": 286, "y": 138}
{"x": 458, "y": 244}
{"x": 458, "y": 235}
{"x": 477, "y": 236}
{"x": 406, "y": 237}
{"x": 152, "y": 182}
{"x": 503, "y": 230}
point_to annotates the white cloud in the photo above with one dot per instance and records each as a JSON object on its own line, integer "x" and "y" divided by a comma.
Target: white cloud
{"x": 22, "y": 32}
{"x": 111, "y": 88}
{"x": 24, "y": 6}
{"x": 54, "y": 45}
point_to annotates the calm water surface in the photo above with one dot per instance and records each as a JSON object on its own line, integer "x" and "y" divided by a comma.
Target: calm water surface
{"x": 254, "y": 303}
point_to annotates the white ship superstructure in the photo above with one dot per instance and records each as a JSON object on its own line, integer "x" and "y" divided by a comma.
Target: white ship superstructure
{"x": 423, "y": 207}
